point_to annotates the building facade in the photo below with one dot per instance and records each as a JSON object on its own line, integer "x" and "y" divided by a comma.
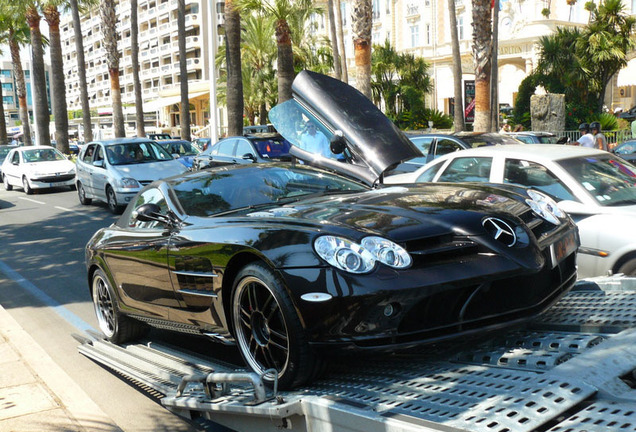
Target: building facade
{"x": 159, "y": 67}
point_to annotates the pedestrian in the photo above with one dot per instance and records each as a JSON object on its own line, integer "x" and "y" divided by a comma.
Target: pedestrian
{"x": 505, "y": 128}
{"x": 634, "y": 129}
{"x": 586, "y": 139}
{"x": 518, "y": 128}
{"x": 314, "y": 141}
{"x": 600, "y": 142}
{"x": 14, "y": 141}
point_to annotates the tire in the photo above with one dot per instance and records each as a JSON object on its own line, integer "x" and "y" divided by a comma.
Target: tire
{"x": 26, "y": 187}
{"x": 7, "y": 186}
{"x": 267, "y": 329}
{"x": 111, "y": 200}
{"x": 116, "y": 327}
{"x": 81, "y": 193}
{"x": 628, "y": 268}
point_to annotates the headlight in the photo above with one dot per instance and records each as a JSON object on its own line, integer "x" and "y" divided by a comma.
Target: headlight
{"x": 544, "y": 206}
{"x": 129, "y": 183}
{"x": 354, "y": 258}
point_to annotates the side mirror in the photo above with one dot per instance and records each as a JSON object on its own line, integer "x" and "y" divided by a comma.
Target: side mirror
{"x": 249, "y": 156}
{"x": 574, "y": 207}
{"x": 99, "y": 163}
{"x": 148, "y": 213}
{"x": 176, "y": 155}
{"x": 338, "y": 144}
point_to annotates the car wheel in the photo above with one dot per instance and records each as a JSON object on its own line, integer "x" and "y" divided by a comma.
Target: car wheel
{"x": 628, "y": 268}
{"x": 267, "y": 329}
{"x": 117, "y": 327}
{"x": 7, "y": 186}
{"x": 81, "y": 193}
{"x": 111, "y": 200}
{"x": 26, "y": 187}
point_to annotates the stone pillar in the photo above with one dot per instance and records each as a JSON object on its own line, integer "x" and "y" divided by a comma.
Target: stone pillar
{"x": 547, "y": 112}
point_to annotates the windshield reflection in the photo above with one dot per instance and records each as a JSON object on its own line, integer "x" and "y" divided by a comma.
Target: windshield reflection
{"x": 609, "y": 180}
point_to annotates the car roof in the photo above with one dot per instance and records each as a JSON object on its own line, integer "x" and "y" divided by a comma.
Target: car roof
{"x": 116, "y": 141}
{"x": 35, "y": 147}
{"x": 535, "y": 151}
{"x": 531, "y": 133}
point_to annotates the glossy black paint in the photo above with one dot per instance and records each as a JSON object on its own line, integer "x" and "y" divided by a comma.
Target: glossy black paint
{"x": 462, "y": 280}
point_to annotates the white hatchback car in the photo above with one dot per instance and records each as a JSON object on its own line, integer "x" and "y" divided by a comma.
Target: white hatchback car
{"x": 37, "y": 167}
{"x": 597, "y": 189}
{"x": 114, "y": 171}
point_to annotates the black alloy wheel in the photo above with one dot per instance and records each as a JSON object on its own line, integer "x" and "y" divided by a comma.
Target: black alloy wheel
{"x": 267, "y": 330}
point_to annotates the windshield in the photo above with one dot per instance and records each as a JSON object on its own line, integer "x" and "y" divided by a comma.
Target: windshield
{"x": 609, "y": 180}
{"x": 272, "y": 148}
{"x": 4, "y": 151}
{"x": 627, "y": 147}
{"x": 481, "y": 140}
{"x": 42, "y": 155}
{"x": 136, "y": 153}
{"x": 215, "y": 192}
{"x": 181, "y": 148}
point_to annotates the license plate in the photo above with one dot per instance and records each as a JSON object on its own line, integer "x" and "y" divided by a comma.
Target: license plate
{"x": 563, "y": 248}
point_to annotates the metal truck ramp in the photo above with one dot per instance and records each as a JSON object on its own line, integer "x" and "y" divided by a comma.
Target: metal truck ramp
{"x": 571, "y": 370}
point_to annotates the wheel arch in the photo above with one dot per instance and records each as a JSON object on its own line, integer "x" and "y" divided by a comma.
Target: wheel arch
{"x": 623, "y": 259}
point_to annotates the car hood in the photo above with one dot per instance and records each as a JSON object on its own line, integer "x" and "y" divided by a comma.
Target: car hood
{"x": 59, "y": 166}
{"x": 403, "y": 213}
{"x": 374, "y": 142}
{"x": 151, "y": 171}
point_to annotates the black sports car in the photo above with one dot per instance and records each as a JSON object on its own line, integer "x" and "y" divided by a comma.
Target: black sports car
{"x": 291, "y": 260}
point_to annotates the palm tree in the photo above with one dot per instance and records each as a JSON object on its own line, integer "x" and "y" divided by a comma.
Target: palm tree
{"x": 606, "y": 41}
{"x": 361, "y": 22}
{"x": 3, "y": 123}
{"x": 234, "y": 94}
{"x": 458, "y": 121}
{"x": 337, "y": 66}
{"x": 42, "y": 117}
{"x": 19, "y": 35}
{"x": 58, "y": 86}
{"x": 109, "y": 34}
{"x": 81, "y": 66}
{"x": 134, "y": 57}
{"x": 341, "y": 46}
{"x": 184, "y": 113}
{"x": 282, "y": 11}
{"x": 482, "y": 51}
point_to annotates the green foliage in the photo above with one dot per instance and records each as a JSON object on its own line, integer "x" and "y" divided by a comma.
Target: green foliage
{"x": 608, "y": 121}
{"x": 545, "y": 12}
{"x": 418, "y": 120}
{"x": 522, "y": 102}
{"x": 400, "y": 82}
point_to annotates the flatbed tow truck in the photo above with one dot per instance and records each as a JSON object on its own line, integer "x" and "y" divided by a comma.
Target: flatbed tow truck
{"x": 573, "y": 369}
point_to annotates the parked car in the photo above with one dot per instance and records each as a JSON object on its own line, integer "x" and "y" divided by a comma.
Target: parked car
{"x": 159, "y": 136}
{"x": 181, "y": 150}
{"x": 626, "y": 150}
{"x": 255, "y": 148}
{"x": 201, "y": 143}
{"x": 37, "y": 167}
{"x": 114, "y": 171}
{"x": 4, "y": 151}
{"x": 532, "y": 137}
{"x": 255, "y": 129}
{"x": 433, "y": 145}
{"x": 595, "y": 187}
{"x": 293, "y": 260}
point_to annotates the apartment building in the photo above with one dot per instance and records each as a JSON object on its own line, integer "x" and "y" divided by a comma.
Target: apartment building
{"x": 158, "y": 60}
{"x": 421, "y": 27}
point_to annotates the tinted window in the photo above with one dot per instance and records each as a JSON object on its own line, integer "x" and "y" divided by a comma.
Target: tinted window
{"x": 150, "y": 196}
{"x": 224, "y": 148}
{"x": 422, "y": 143}
{"x": 214, "y": 192}
{"x": 469, "y": 169}
{"x": 536, "y": 176}
{"x": 243, "y": 148}
{"x": 429, "y": 174}
{"x": 445, "y": 146}
{"x": 88, "y": 154}
{"x": 272, "y": 148}
{"x": 136, "y": 153}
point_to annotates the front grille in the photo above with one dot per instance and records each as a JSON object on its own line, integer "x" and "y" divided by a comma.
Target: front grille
{"x": 434, "y": 250}
{"x": 537, "y": 224}
{"x": 55, "y": 178}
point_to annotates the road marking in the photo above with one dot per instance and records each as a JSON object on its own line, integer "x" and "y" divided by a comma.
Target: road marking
{"x": 32, "y": 200}
{"x": 66, "y": 314}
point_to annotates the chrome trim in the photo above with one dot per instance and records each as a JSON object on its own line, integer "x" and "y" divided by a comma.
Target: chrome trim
{"x": 195, "y": 274}
{"x": 500, "y": 231}
{"x": 199, "y": 293}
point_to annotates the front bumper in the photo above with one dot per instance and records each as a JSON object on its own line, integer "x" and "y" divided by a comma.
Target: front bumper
{"x": 388, "y": 309}
{"x": 52, "y": 181}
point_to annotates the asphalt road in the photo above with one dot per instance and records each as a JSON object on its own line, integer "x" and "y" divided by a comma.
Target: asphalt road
{"x": 43, "y": 286}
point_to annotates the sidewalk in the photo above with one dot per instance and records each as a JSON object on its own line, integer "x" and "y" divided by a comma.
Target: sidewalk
{"x": 36, "y": 394}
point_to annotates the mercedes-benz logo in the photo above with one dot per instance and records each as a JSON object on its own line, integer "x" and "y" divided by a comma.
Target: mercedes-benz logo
{"x": 500, "y": 231}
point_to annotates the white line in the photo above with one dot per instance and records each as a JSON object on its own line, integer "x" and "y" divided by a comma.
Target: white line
{"x": 32, "y": 200}
{"x": 65, "y": 209}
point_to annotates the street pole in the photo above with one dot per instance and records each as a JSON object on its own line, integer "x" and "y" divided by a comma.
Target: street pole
{"x": 214, "y": 131}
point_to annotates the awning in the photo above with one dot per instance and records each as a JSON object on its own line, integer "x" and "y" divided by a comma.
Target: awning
{"x": 155, "y": 105}
{"x": 627, "y": 75}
